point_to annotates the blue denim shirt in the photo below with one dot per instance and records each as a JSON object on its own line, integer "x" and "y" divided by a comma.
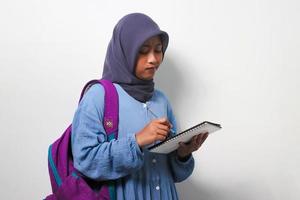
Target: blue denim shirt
{"x": 145, "y": 175}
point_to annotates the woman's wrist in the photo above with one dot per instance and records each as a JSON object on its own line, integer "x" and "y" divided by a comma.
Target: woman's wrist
{"x": 139, "y": 140}
{"x": 183, "y": 158}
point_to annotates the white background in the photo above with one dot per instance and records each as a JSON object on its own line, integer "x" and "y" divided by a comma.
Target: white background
{"x": 234, "y": 62}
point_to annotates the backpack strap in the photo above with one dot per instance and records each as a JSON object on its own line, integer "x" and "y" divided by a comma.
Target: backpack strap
{"x": 110, "y": 121}
{"x": 111, "y": 109}
{"x": 111, "y": 106}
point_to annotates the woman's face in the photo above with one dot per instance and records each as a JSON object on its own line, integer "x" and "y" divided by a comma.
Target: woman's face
{"x": 149, "y": 58}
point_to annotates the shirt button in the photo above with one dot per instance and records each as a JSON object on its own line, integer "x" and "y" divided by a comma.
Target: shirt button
{"x": 153, "y": 160}
{"x": 144, "y": 105}
{"x": 157, "y": 188}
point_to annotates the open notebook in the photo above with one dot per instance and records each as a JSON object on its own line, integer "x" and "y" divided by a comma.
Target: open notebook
{"x": 171, "y": 143}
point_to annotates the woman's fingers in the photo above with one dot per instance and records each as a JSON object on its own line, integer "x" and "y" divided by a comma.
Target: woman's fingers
{"x": 162, "y": 132}
{"x": 161, "y": 137}
{"x": 204, "y": 136}
{"x": 197, "y": 141}
{"x": 164, "y": 121}
{"x": 163, "y": 127}
{"x": 193, "y": 145}
{"x": 201, "y": 138}
{"x": 182, "y": 144}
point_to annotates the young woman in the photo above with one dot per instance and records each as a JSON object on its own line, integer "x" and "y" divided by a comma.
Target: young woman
{"x": 134, "y": 55}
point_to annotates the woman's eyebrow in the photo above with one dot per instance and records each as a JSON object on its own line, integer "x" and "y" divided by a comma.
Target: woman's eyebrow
{"x": 148, "y": 45}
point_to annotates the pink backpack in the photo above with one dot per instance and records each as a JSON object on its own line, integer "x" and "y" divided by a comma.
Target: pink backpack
{"x": 66, "y": 182}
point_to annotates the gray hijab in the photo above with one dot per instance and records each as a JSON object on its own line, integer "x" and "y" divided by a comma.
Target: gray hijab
{"x": 119, "y": 67}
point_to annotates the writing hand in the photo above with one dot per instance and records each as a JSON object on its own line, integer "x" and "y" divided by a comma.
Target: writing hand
{"x": 157, "y": 129}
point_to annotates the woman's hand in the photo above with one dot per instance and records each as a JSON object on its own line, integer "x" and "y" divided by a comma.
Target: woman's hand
{"x": 157, "y": 129}
{"x": 186, "y": 149}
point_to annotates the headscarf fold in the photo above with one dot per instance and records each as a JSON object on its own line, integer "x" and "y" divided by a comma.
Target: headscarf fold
{"x": 119, "y": 67}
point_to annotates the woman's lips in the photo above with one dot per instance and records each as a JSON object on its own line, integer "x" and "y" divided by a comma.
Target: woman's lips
{"x": 151, "y": 68}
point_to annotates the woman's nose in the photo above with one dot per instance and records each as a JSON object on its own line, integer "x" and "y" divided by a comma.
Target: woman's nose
{"x": 152, "y": 58}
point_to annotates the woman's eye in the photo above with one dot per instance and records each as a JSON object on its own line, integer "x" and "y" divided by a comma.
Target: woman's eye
{"x": 158, "y": 49}
{"x": 144, "y": 50}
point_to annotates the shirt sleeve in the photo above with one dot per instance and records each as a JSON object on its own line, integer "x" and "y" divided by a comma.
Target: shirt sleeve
{"x": 181, "y": 170}
{"x": 93, "y": 155}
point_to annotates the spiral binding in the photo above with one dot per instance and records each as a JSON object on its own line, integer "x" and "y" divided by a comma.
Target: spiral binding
{"x": 196, "y": 127}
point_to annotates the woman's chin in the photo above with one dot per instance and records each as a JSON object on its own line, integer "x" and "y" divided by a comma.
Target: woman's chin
{"x": 147, "y": 77}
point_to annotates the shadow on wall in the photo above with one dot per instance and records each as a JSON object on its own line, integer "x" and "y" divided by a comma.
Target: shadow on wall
{"x": 175, "y": 85}
{"x": 168, "y": 79}
{"x": 189, "y": 189}
{"x": 177, "y": 79}
{"x": 193, "y": 190}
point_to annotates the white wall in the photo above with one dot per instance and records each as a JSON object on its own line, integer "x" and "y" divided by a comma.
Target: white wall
{"x": 235, "y": 62}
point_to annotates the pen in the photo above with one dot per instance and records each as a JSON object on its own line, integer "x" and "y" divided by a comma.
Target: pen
{"x": 172, "y": 131}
